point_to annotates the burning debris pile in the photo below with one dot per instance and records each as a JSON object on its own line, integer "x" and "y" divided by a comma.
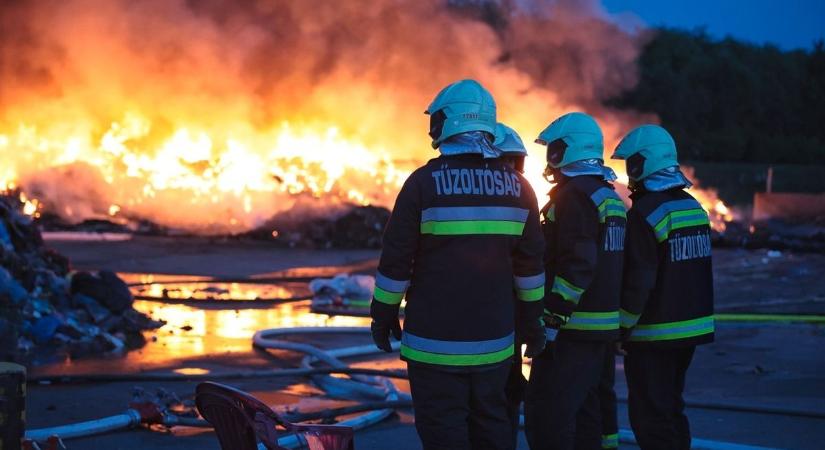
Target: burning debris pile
{"x": 267, "y": 101}
{"x": 43, "y": 304}
{"x": 358, "y": 227}
{"x": 775, "y": 234}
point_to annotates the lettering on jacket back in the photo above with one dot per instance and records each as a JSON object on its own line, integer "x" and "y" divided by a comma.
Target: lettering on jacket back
{"x": 684, "y": 248}
{"x": 487, "y": 182}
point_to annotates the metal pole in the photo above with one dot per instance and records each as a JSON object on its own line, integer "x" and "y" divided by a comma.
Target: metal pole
{"x": 12, "y": 405}
{"x": 769, "y": 181}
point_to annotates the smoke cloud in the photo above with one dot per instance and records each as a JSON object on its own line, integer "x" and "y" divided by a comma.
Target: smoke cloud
{"x": 110, "y": 84}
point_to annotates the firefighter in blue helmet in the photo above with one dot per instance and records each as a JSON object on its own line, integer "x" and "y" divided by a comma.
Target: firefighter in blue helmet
{"x": 463, "y": 235}
{"x": 513, "y": 153}
{"x": 667, "y": 293}
{"x": 584, "y": 225}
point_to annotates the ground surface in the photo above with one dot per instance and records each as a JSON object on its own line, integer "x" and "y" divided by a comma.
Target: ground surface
{"x": 763, "y": 366}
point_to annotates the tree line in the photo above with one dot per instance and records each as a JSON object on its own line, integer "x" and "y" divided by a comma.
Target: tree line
{"x": 728, "y": 100}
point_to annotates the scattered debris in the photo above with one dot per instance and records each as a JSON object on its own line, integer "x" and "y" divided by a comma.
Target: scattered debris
{"x": 358, "y": 227}
{"x": 44, "y": 305}
{"x": 747, "y": 369}
{"x": 342, "y": 290}
{"x": 774, "y": 234}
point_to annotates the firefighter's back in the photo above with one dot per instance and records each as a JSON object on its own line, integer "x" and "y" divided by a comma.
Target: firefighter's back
{"x": 460, "y": 309}
{"x": 679, "y": 310}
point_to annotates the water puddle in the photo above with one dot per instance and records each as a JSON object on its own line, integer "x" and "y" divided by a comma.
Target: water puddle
{"x": 200, "y": 337}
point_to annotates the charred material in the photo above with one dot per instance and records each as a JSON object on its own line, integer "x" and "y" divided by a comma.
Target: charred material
{"x": 44, "y": 305}
{"x": 774, "y": 234}
{"x": 359, "y": 227}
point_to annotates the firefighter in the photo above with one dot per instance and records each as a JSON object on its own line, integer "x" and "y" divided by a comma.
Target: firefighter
{"x": 513, "y": 153}
{"x": 667, "y": 293}
{"x": 584, "y": 228}
{"x": 464, "y": 233}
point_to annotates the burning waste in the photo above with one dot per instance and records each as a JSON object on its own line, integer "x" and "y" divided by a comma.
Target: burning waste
{"x": 214, "y": 117}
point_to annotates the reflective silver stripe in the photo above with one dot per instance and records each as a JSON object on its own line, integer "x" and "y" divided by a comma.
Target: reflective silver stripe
{"x": 567, "y": 290}
{"x": 676, "y": 328}
{"x": 529, "y": 282}
{"x": 456, "y": 347}
{"x": 474, "y": 213}
{"x": 628, "y": 319}
{"x": 578, "y": 320}
{"x": 668, "y": 207}
{"x": 603, "y": 194}
{"x": 388, "y": 284}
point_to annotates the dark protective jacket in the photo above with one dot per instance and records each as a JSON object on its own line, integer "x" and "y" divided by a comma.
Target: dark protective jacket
{"x": 667, "y": 294}
{"x": 584, "y": 226}
{"x": 464, "y": 233}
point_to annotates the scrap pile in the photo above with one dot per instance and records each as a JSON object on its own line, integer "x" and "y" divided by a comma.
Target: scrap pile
{"x": 44, "y": 305}
{"x": 358, "y": 227}
{"x": 774, "y": 234}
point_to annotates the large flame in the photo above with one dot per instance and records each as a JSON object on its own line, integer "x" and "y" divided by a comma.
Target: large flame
{"x": 214, "y": 116}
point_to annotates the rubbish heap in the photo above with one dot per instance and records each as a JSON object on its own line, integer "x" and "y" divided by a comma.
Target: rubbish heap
{"x": 774, "y": 234}
{"x": 44, "y": 305}
{"x": 358, "y": 227}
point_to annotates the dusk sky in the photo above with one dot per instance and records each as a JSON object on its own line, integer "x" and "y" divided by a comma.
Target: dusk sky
{"x": 788, "y": 24}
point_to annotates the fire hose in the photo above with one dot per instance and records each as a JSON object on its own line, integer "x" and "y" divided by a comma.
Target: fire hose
{"x": 368, "y": 384}
{"x": 363, "y": 383}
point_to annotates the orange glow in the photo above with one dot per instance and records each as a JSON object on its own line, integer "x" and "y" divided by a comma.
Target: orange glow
{"x": 203, "y": 116}
{"x": 191, "y": 371}
{"x": 718, "y": 212}
{"x": 218, "y": 291}
{"x": 242, "y": 174}
{"x": 192, "y": 331}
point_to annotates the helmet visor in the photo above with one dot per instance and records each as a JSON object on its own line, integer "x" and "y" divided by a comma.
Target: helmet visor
{"x": 437, "y": 120}
{"x": 635, "y": 166}
{"x": 555, "y": 152}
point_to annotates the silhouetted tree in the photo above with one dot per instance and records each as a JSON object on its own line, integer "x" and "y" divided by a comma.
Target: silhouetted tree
{"x": 726, "y": 100}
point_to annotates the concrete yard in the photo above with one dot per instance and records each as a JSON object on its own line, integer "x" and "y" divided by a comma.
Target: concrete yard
{"x": 758, "y": 366}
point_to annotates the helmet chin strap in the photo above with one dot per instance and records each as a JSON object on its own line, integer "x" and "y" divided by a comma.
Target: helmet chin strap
{"x": 552, "y": 174}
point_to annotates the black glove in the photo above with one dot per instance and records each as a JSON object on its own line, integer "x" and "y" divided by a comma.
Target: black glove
{"x": 535, "y": 338}
{"x": 384, "y": 322}
{"x": 530, "y": 327}
{"x": 554, "y": 320}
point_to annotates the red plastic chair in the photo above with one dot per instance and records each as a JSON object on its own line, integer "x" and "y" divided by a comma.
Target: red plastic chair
{"x": 241, "y": 420}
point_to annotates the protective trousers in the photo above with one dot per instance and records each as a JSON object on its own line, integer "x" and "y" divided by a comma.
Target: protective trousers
{"x": 655, "y": 382}
{"x": 461, "y": 410}
{"x": 607, "y": 402}
{"x": 516, "y": 385}
{"x": 597, "y": 425}
{"x": 562, "y": 396}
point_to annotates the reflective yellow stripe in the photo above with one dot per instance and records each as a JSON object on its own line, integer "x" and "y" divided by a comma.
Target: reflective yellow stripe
{"x": 390, "y": 298}
{"x": 457, "y": 360}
